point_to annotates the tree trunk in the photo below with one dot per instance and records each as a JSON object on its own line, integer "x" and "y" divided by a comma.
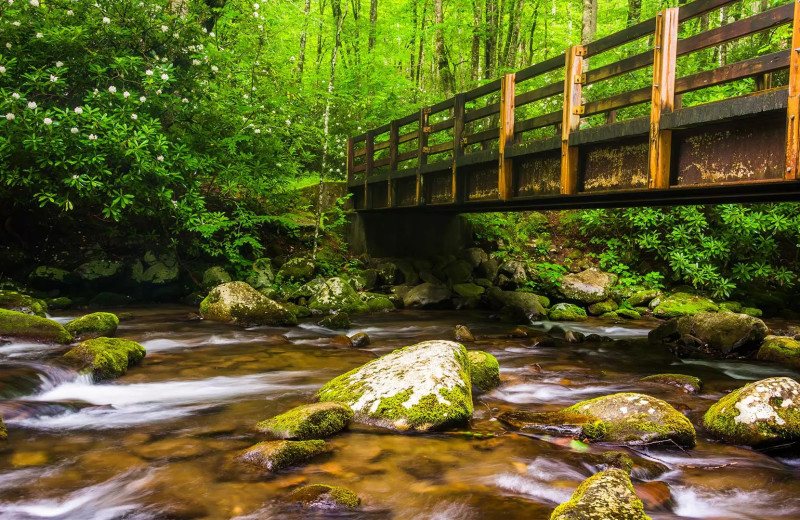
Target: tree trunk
{"x": 489, "y": 46}
{"x": 589, "y": 25}
{"x": 301, "y": 57}
{"x": 373, "y": 20}
{"x": 634, "y": 12}
{"x": 445, "y": 74}
{"x": 475, "y": 65}
{"x": 512, "y": 43}
{"x": 421, "y": 54}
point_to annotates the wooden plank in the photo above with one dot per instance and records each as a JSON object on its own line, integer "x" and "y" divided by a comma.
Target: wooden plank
{"x": 752, "y": 105}
{"x": 483, "y": 90}
{"x": 533, "y": 123}
{"x": 480, "y": 113}
{"x": 359, "y": 138}
{"x": 505, "y": 182}
{"x": 625, "y": 99}
{"x": 394, "y": 131}
{"x": 570, "y": 120}
{"x": 368, "y": 166}
{"x": 774, "y": 17}
{"x": 441, "y": 125}
{"x": 422, "y": 144}
{"x": 619, "y": 130}
{"x": 741, "y": 69}
{"x": 540, "y": 68}
{"x": 663, "y": 96}
{"x": 701, "y": 7}
{"x": 360, "y": 151}
{"x": 632, "y": 33}
{"x": 360, "y": 168}
{"x": 442, "y": 105}
{"x": 350, "y": 160}
{"x": 381, "y": 146}
{"x": 439, "y": 148}
{"x": 479, "y": 137}
{"x": 381, "y": 162}
{"x": 539, "y": 93}
{"x": 547, "y": 144}
{"x": 410, "y": 136}
{"x": 406, "y": 156}
{"x": 793, "y": 103}
{"x": 381, "y": 129}
{"x": 612, "y": 70}
{"x": 458, "y": 147}
{"x": 407, "y": 120}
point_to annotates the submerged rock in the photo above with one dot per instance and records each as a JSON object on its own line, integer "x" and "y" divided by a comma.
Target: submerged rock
{"x": 3, "y": 431}
{"x": 274, "y": 456}
{"x": 589, "y": 286}
{"x": 462, "y": 333}
{"x": 426, "y": 295}
{"x": 683, "y": 304}
{"x": 93, "y": 325}
{"x": 338, "y": 321}
{"x": 312, "y": 421}
{"x": 608, "y": 495}
{"x": 237, "y": 302}
{"x": 689, "y": 384}
{"x": 567, "y": 312}
{"x": 484, "y": 370}
{"x": 35, "y": 328}
{"x": 325, "y": 497}
{"x": 335, "y": 295}
{"x": 763, "y": 413}
{"x": 780, "y": 349}
{"x": 14, "y": 301}
{"x": 360, "y": 340}
{"x": 422, "y": 387}
{"x": 105, "y": 358}
{"x": 718, "y": 334}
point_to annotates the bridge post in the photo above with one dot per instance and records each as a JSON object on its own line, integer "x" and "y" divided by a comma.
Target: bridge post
{"x": 394, "y": 132}
{"x": 369, "y": 159}
{"x": 506, "y": 165}
{"x": 793, "y": 104}
{"x": 663, "y": 96}
{"x": 458, "y": 147}
{"x": 351, "y": 160}
{"x": 422, "y": 158}
{"x": 571, "y": 118}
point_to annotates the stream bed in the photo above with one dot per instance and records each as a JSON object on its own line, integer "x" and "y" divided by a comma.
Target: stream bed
{"x": 152, "y": 443}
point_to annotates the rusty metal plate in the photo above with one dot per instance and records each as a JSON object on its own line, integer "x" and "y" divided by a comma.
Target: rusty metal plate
{"x": 438, "y": 187}
{"x": 379, "y": 195}
{"x": 730, "y": 152}
{"x": 405, "y": 191}
{"x": 481, "y": 181}
{"x": 538, "y": 174}
{"x": 610, "y": 166}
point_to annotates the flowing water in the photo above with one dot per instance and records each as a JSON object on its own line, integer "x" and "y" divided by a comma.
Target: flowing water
{"x": 152, "y": 444}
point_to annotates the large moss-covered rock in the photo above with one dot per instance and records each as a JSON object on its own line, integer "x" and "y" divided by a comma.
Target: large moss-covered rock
{"x": 3, "y": 431}
{"x": 468, "y": 290}
{"x": 688, "y": 384}
{"x": 335, "y": 295}
{"x": 608, "y": 495}
{"x": 589, "y": 286}
{"x": 237, "y": 302}
{"x": 337, "y": 321}
{"x": 15, "y": 301}
{"x": 458, "y": 272}
{"x": 312, "y": 421}
{"x": 719, "y": 334}
{"x": 324, "y": 497}
{"x": 274, "y": 456}
{"x": 214, "y": 276}
{"x": 261, "y": 275}
{"x": 99, "y": 270}
{"x": 298, "y": 270}
{"x": 377, "y": 302}
{"x": 426, "y": 295}
{"x": 763, "y": 413}
{"x": 512, "y": 274}
{"x": 18, "y": 325}
{"x": 780, "y": 349}
{"x": 105, "y": 358}
{"x": 567, "y": 312}
{"x": 521, "y": 307}
{"x": 484, "y": 370}
{"x": 422, "y": 387}
{"x": 683, "y": 304}
{"x": 643, "y": 297}
{"x": 596, "y": 309}
{"x": 93, "y": 325}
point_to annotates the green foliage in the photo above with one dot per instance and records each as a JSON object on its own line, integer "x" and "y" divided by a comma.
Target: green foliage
{"x": 516, "y": 235}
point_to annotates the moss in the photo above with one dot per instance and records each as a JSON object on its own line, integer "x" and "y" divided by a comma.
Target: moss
{"x": 14, "y": 301}
{"x": 277, "y": 455}
{"x": 335, "y": 295}
{"x": 599, "y": 308}
{"x": 20, "y": 325}
{"x": 214, "y": 276}
{"x": 323, "y": 496}
{"x": 618, "y": 460}
{"x": 683, "y": 304}
{"x": 610, "y": 316}
{"x": 239, "y": 303}
{"x": 643, "y": 297}
{"x": 98, "y": 270}
{"x": 780, "y": 349}
{"x": 567, "y": 312}
{"x": 468, "y": 290}
{"x": 3, "y": 431}
{"x": 752, "y": 311}
{"x": 338, "y": 321}
{"x": 686, "y": 383}
{"x": 484, "y": 370}
{"x": 297, "y": 270}
{"x": 313, "y": 421}
{"x": 62, "y": 302}
{"x": 629, "y": 314}
{"x": 430, "y": 411}
{"x": 93, "y": 325}
{"x": 730, "y": 307}
{"x": 105, "y": 358}
{"x": 608, "y": 495}
{"x": 379, "y": 304}
{"x": 298, "y": 310}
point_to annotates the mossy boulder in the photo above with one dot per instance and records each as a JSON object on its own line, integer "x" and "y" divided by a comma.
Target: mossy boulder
{"x": 780, "y": 349}
{"x": 156, "y": 268}
{"x": 360, "y": 340}
{"x": 567, "y": 312}
{"x": 688, "y": 384}
{"x": 752, "y": 311}
{"x": 95, "y": 271}
{"x": 272, "y": 456}
{"x": 468, "y": 290}
{"x": 214, "y": 276}
{"x": 484, "y": 370}
{"x": 589, "y": 286}
{"x": 458, "y": 272}
{"x": 18, "y": 325}
{"x": 596, "y": 309}
{"x": 520, "y": 307}
{"x": 462, "y": 333}
{"x": 683, "y": 304}
{"x": 421, "y": 387}
{"x": 377, "y": 302}
{"x": 105, "y": 358}
{"x": 512, "y": 274}
{"x": 719, "y": 334}
{"x": 59, "y": 303}
{"x": 15, "y": 301}
{"x": 338, "y": 321}
{"x": 3, "y": 431}
{"x": 763, "y": 413}
{"x": 630, "y": 314}
{"x": 730, "y": 307}
{"x": 324, "y": 497}
{"x": 608, "y": 495}
{"x": 335, "y": 295}
{"x": 643, "y": 297}
{"x": 426, "y": 295}
{"x": 299, "y": 269}
{"x": 237, "y": 302}
{"x": 261, "y": 275}
{"x": 93, "y": 325}
{"x": 312, "y": 421}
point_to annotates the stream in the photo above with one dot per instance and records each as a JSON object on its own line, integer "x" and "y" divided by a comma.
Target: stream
{"x": 152, "y": 443}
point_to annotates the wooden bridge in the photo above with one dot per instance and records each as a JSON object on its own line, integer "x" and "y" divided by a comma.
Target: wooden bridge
{"x": 550, "y": 137}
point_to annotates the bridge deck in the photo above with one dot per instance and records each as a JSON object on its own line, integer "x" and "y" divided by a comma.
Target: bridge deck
{"x": 502, "y": 147}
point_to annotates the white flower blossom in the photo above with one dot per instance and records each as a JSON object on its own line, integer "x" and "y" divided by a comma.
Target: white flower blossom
{"x": 164, "y": 28}
{"x": 142, "y": 99}
{"x": 74, "y": 130}
{"x": 212, "y": 34}
{"x": 112, "y": 89}
{"x": 106, "y": 20}
{"x": 70, "y": 13}
{"x": 92, "y": 137}
{"x": 8, "y": 45}
{"x": 48, "y": 121}
{"x": 39, "y": 35}
{"x": 175, "y": 203}
{"x": 126, "y": 94}
{"x": 148, "y": 72}
{"x": 78, "y": 110}
{"x": 75, "y": 177}
{"x": 10, "y": 116}
{"x": 15, "y": 23}
{"x": 32, "y": 105}
{"x": 158, "y": 92}
{"x": 214, "y": 68}
{"x": 59, "y": 64}
{"x": 53, "y": 78}
{"x": 160, "y": 158}
{"x": 15, "y": 95}
{"x": 196, "y": 62}
{"x": 255, "y": 7}
{"x": 185, "y": 100}
{"x": 134, "y": 117}
{"x": 2, "y": 70}
{"x": 34, "y": 3}
{"x": 165, "y": 77}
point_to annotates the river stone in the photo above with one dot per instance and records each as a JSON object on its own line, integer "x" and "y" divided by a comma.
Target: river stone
{"x": 324, "y": 497}
{"x": 643, "y": 297}
{"x": 261, "y": 275}
{"x": 475, "y": 256}
{"x": 311, "y": 421}
{"x": 484, "y": 370}
{"x": 519, "y": 306}
{"x": 596, "y": 309}
{"x": 298, "y": 270}
{"x": 422, "y": 387}
{"x": 426, "y": 295}
{"x": 105, "y": 358}
{"x": 3, "y": 431}
{"x": 14, "y": 301}
{"x": 99, "y": 270}
{"x": 388, "y": 273}
{"x": 214, "y": 276}
{"x": 720, "y": 334}
{"x": 360, "y": 340}
{"x": 377, "y": 302}
{"x": 589, "y": 286}
{"x": 458, "y": 272}
{"x": 630, "y": 314}
{"x": 780, "y": 349}
{"x": 462, "y": 333}
{"x": 567, "y": 312}
{"x": 763, "y": 413}
{"x": 338, "y": 321}
{"x": 515, "y": 273}
{"x": 688, "y": 384}
{"x": 608, "y": 495}
{"x": 276, "y": 455}
{"x": 468, "y": 290}
{"x": 35, "y": 328}
{"x": 237, "y": 302}
{"x": 335, "y": 295}
{"x": 683, "y": 304}
{"x": 93, "y": 325}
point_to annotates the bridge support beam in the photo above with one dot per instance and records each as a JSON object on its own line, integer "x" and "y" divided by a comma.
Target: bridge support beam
{"x": 507, "y": 94}
{"x": 663, "y": 96}
{"x": 793, "y": 103}
{"x": 571, "y": 118}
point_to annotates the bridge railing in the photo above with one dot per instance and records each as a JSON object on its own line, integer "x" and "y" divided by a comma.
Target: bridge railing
{"x": 535, "y": 134}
